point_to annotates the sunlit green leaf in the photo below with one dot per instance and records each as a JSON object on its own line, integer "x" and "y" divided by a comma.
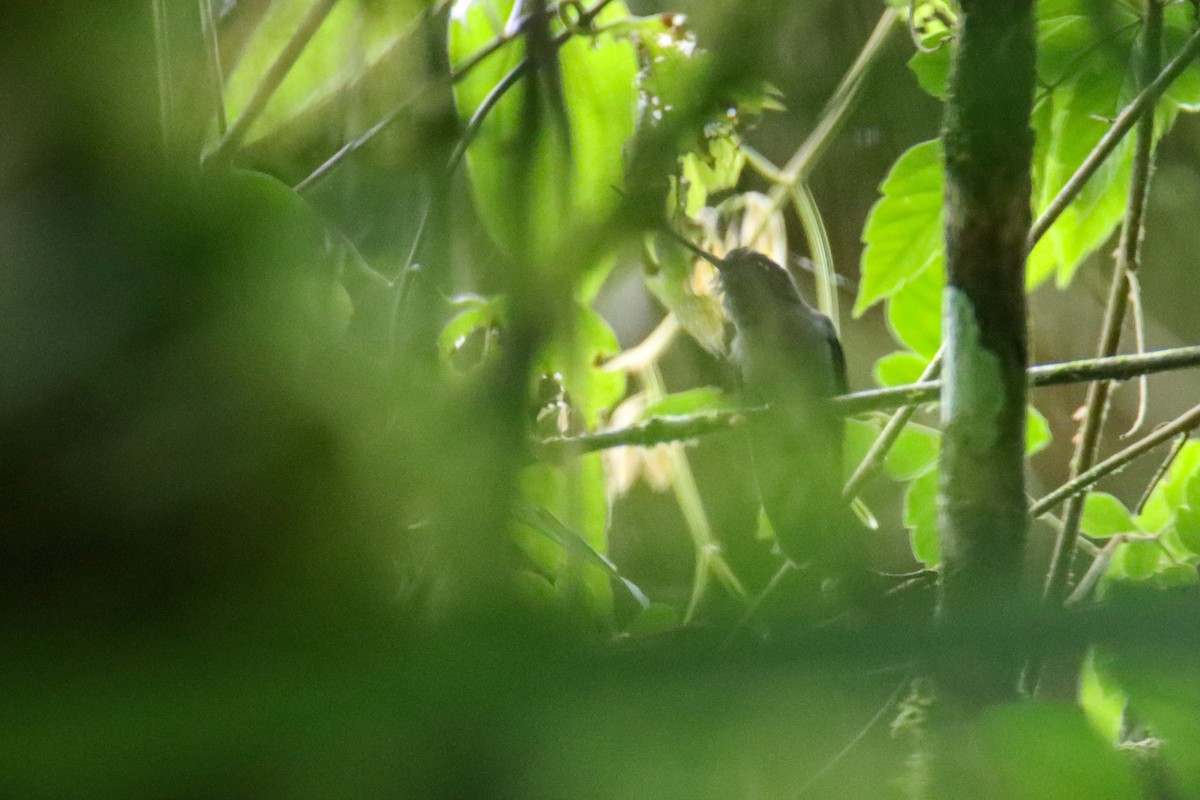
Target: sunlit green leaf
{"x": 354, "y": 37}
{"x": 898, "y": 369}
{"x": 1105, "y": 515}
{"x": 535, "y": 183}
{"x": 903, "y": 235}
{"x": 1069, "y": 123}
{"x": 691, "y": 401}
{"x": 1171, "y": 491}
{"x": 1138, "y": 559}
{"x": 920, "y": 517}
{"x": 1101, "y": 698}
{"x": 914, "y": 453}
{"x": 932, "y": 68}
{"x": 1037, "y": 432}
{"x": 915, "y": 312}
{"x": 577, "y": 355}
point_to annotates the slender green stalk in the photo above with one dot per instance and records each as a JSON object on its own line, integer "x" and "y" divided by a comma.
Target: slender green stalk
{"x": 276, "y": 73}
{"x": 216, "y": 75}
{"x": 833, "y": 116}
{"x": 822, "y": 252}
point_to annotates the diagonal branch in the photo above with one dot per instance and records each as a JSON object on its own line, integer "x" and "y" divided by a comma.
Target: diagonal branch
{"x": 1088, "y": 443}
{"x": 278, "y": 70}
{"x": 1085, "y": 480}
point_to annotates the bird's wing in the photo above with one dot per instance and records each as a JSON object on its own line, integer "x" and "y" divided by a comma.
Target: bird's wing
{"x": 837, "y": 355}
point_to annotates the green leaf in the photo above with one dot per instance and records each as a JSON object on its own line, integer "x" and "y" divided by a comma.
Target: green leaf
{"x": 1105, "y": 516}
{"x": 920, "y": 517}
{"x": 575, "y": 495}
{"x": 536, "y": 184}
{"x": 677, "y": 280}
{"x": 1164, "y": 688}
{"x": 1038, "y": 751}
{"x": 544, "y": 522}
{"x": 898, "y": 369}
{"x": 478, "y": 318}
{"x": 1069, "y": 122}
{"x": 1101, "y": 698}
{"x": 914, "y": 453}
{"x": 1037, "y": 432}
{"x": 903, "y": 235}
{"x": 691, "y": 401}
{"x": 577, "y": 354}
{"x": 354, "y": 37}
{"x": 1178, "y": 27}
{"x": 1187, "y": 528}
{"x": 932, "y": 68}
{"x": 915, "y": 312}
{"x": 1171, "y": 491}
{"x": 1138, "y": 560}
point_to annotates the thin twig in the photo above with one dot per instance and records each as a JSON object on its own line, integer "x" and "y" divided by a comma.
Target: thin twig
{"x": 659, "y": 430}
{"x": 1083, "y": 590}
{"x": 1085, "y": 480}
{"x": 1160, "y": 473}
{"x": 1088, "y": 446}
{"x": 873, "y": 461}
{"x": 1139, "y": 341}
{"x": 276, "y": 73}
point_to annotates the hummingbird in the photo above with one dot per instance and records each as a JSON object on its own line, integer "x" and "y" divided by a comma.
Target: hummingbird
{"x": 791, "y": 362}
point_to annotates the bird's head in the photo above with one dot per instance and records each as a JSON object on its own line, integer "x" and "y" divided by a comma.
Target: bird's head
{"x": 755, "y": 286}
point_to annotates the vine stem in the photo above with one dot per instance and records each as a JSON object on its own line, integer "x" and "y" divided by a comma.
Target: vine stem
{"x": 833, "y": 116}
{"x": 660, "y": 430}
{"x": 1127, "y": 259}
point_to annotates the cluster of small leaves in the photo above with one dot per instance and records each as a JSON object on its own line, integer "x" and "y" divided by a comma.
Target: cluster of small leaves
{"x": 1161, "y": 542}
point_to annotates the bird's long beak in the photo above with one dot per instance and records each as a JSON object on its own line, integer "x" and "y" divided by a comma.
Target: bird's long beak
{"x": 699, "y": 252}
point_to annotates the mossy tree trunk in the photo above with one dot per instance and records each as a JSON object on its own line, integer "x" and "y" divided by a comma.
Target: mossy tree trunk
{"x": 988, "y": 146}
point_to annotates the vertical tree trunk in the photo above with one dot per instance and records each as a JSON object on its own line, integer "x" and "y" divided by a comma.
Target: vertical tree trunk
{"x": 988, "y": 150}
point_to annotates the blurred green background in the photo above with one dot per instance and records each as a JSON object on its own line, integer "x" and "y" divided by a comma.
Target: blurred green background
{"x": 256, "y": 529}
